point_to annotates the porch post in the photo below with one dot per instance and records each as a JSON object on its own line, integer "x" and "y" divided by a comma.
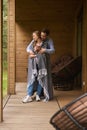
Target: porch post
{"x": 11, "y": 46}
{"x": 1, "y": 69}
{"x": 84, "y": 47}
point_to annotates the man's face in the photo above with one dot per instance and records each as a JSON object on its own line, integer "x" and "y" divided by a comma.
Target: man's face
{"x": 43, "y": 36}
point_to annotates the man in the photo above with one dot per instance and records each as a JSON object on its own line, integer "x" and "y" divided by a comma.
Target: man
{"x": 45, "y": 38}
{"x": 49, "y": 50}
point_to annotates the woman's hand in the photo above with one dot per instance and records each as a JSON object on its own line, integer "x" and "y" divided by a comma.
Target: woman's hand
{"x": 32, "y": 55}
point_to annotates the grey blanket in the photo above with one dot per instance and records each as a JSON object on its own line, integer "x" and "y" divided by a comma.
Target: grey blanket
{"x": 38, "y": 68}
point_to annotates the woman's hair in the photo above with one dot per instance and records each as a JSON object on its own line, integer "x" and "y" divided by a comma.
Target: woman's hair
{"x": 45, "y": 30}
{"x": 38, "y": 33}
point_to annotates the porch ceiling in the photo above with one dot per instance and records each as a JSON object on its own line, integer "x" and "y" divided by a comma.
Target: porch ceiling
{"x": 46, "y": 9}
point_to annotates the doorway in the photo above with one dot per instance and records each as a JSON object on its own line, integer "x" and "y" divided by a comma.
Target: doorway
{"x": 79, "y": 32}
{"x": 79, "y": 43}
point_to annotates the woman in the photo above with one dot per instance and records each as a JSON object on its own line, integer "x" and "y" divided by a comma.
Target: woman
{"x": 37, "y": 69}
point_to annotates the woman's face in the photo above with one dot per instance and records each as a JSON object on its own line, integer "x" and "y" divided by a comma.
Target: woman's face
{"x": 35, "y": 37}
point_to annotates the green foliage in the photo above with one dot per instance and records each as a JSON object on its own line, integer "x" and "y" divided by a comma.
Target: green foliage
{"x": 5, "y": 30}
{"x": 4, "y": 34}
{"x": 4, "y": 23}
{"x": 4, "y": 47}
{"x": 4, "y": 8}
{"x": 4, "y": 83}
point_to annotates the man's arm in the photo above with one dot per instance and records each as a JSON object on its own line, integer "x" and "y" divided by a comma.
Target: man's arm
{"x": 50, "y": 48}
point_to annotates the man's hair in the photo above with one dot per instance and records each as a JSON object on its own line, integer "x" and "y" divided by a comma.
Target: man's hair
{"x": 45, "y": 30}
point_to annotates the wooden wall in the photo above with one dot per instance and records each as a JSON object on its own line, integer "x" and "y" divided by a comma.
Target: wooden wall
{"x": 1, "y": 96}
{"x": 11, "y": 46}
{"x": 58, "y": 16}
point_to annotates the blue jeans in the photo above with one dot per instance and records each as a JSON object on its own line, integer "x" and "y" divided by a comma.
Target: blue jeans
{"x": 31, "y": 88}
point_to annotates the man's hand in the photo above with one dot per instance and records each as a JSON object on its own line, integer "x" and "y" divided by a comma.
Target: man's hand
{"x": 42, "y": 51}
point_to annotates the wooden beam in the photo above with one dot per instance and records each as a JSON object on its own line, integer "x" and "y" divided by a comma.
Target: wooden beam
{"x": 11, "y": 46}
{"x": 1, "y": 69}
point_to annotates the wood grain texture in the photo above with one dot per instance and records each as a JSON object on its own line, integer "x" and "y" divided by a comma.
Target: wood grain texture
{"x": 34, "y": 115}
{"x": 11, "y": 46}
{"x": 58, "y": 16}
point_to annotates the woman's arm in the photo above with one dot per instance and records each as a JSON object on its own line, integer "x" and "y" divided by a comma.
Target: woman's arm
{"x": 32, "y": 55}
{"x": 30, "y": 47}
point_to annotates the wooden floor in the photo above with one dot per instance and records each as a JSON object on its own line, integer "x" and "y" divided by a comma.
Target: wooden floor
{"x": 34, "y": 115}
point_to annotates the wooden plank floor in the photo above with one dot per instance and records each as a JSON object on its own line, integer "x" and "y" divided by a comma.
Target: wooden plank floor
{"x": 34, "y": 115}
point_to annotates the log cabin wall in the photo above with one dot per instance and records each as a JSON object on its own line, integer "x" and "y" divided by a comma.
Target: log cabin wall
{"x": 58, "y": 16}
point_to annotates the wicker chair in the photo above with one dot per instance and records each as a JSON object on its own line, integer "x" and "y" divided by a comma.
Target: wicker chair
{"x": 73, "y": 116}
{"x": 63, "y": 76}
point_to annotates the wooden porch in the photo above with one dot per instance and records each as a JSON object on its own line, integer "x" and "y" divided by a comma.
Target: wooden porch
{"x": 34, "y": 115}
{"x": 64, "y": 15}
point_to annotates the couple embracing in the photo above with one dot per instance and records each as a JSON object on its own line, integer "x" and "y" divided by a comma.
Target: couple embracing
{"x": 39, "y": 66}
